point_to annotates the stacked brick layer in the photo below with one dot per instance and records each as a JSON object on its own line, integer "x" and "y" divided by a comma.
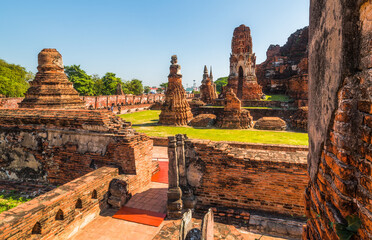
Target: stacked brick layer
{"x": 56, "y": 146}
{"x": 271, "y": 181}
{"x": 51, "y": 87}
{"x": 340, "y": 119}
{"x": 19, "y": 222}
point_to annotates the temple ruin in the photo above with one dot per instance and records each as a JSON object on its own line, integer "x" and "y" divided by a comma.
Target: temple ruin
{"x": 242, "y": 78}
{"x": 208, "y": 88}
{"x": 51, "y": 87}
{"x": 233, "y": 117}
{"x": 175, "y": 110}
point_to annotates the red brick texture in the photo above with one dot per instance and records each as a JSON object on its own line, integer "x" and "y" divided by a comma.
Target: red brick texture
{"x": 341, "y": 182}
{"x": 57, "y": 146}
{"x": 271, "y": 181}
{"x": 19, "y": 222}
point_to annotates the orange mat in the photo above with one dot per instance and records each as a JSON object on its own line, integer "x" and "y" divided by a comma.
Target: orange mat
{"x": 162, "y": 175}
{"x": 140, "y": 216}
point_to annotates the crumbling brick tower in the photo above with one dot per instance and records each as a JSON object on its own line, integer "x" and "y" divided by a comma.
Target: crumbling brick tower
{"x": 207, "y": 89}
{"x": 51, "y": 87}
{"x": 242, "y": 78}
{"x": 175, "y": 110}
{"x": 339, "y": 194}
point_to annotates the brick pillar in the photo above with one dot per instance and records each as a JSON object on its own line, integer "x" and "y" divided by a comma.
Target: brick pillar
{"x": 174, "y": 205}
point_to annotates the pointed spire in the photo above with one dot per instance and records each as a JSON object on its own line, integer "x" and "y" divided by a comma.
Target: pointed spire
{"x": 211, "y": 75}
{"x": 205, "y": 69}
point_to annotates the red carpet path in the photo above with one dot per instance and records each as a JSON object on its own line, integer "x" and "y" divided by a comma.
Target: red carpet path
{"x": 162, "y": 175}
{"x": 140, "y": 216}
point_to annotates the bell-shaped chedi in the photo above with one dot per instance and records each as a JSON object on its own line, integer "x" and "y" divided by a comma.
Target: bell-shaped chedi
{"x": 51, "y": 87}
{"x": 175, "y": 110}
{"x": 207, "y": 89}
{"x": 242, "y": 78}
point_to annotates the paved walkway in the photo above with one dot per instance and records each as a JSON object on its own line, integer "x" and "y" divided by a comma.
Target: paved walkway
{"x": 104, "y": 227}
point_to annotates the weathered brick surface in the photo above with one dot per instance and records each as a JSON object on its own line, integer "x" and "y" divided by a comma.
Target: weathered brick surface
{"x": 51, "y": 87}
{"x": 272, "y": 181}
{"x": 176, "y": 109}
{"x": 339, "y": 118}
{"x": 57, "y": 146}
{"x": 242, "y": 78}
{"x": 18, "y": 222}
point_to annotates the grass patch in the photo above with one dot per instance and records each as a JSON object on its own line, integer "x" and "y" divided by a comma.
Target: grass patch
{"x": 11, "y": 200}
{"x": 279, "y": 97}
{"x": 146, "y": 122}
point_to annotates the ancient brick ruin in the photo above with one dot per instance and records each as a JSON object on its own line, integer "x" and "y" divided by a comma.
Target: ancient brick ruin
{"x": 208, "y": 88}
{"x": 175, "y": 110}
{"x": 197, "y": 181}
{"x": 233, "y": 116}
{"x": 51, "y": 87}
{"x": 285, "y": 69}
{"x": 339, "y": 193}
{"x": 57, "y": 145}
{"x": 271, "y": 123}
{"x": 242, "y": 78}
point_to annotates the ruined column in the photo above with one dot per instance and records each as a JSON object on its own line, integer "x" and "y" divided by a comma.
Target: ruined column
{"x": 181, "y": 160}
{"x": 174, "y": 205}
{"x": 186, "y": 225}
{"x": 208, "y": 226}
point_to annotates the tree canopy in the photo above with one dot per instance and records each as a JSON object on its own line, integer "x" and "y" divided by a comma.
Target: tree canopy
{"x": 221, "y": 82}
{"x": 83, "y": 83}
{"x": 13, "y": 79}
{"x": 133, "y": 87}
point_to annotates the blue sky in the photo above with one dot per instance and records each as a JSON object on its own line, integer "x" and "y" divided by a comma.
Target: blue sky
{"x": 135, "y": 39}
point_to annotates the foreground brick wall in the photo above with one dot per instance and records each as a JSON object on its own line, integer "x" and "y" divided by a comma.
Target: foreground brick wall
{"x": 57, "y": 146}
{"x": 267, "y": 180}
{"x": 340, "y": 118}
{"x": 18, "y": 223}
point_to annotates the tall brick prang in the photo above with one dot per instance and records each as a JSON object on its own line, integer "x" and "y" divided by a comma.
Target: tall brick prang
{"x": 175, "y": 110}
{"x": 242, "y": 78}
{"x": 51, "y": 87}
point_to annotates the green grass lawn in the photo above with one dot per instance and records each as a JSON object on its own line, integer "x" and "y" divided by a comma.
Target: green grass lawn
{"x": 281, "y": 98}
{"x": 10, "y": 200}
{"x": 146, "y": 122}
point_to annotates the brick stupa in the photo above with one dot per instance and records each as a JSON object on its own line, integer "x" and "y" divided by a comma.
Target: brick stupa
{"x": 207, "y": 89}
{"x": 242, "y": 78}
{"x": 175, "y": 110}
{"x": 51, "y": 88}
{"x": 233, "y": 117}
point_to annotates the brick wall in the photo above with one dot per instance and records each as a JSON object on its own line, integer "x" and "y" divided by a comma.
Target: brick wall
{"x": 57, "y": 146}
{"x": 340, "y": 118}
{"x": 18, "y": 223}
{"x": 99, "y": 102}
{"x": 91, "y": 189}
{"x": 266, "y": 180}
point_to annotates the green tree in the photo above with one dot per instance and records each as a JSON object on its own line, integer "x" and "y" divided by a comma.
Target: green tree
{"x": 221, "y": 82}
{"x": 110, "y": 82}
{"x": 98, "y": 85}
{"x": 146, "y": 89}
{"x": 83, "y": 83}
{"x": 13, "y": 79}
{"x": 133, "y": 87}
